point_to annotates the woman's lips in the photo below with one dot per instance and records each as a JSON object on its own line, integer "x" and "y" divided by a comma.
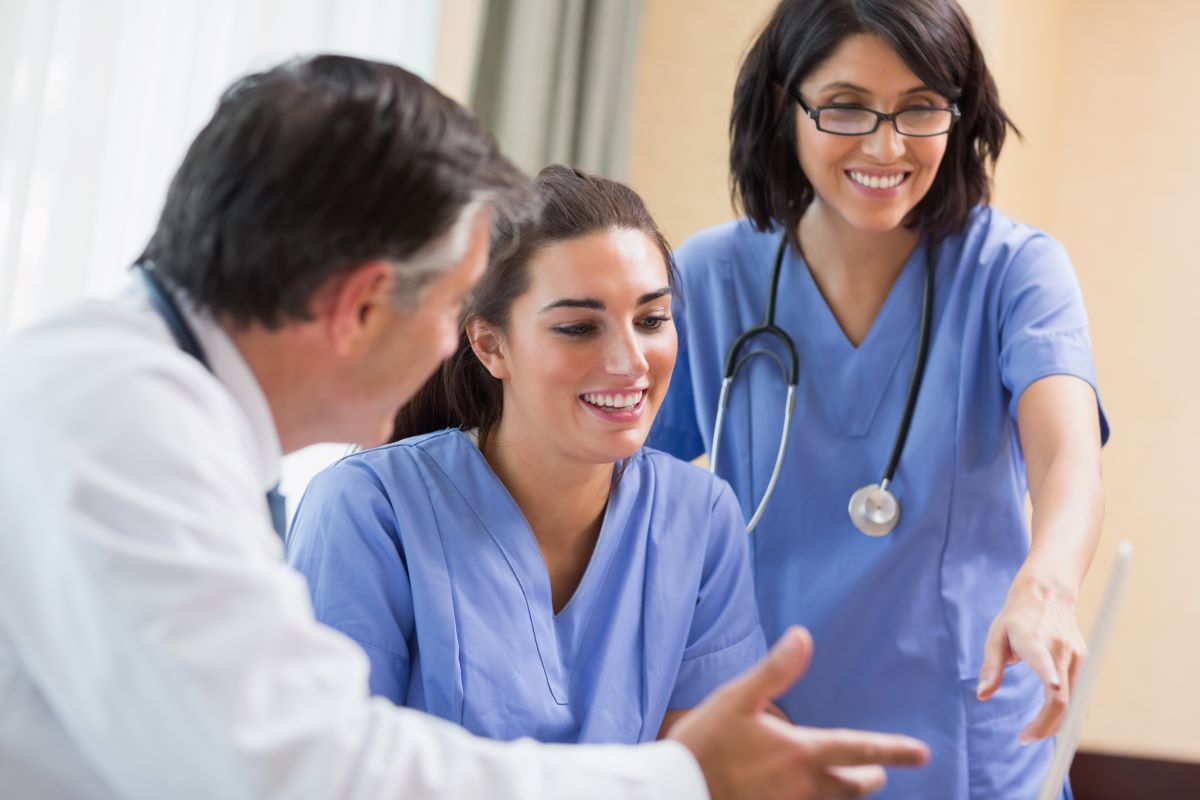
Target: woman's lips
{"x": 615, "y": 406}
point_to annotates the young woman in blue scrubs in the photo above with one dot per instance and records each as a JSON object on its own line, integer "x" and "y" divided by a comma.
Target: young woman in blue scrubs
{"x": 518, "y": 562}
{"x": 954, "y": 627}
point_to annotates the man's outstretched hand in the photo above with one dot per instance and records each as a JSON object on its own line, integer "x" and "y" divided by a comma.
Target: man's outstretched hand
{"x": 745, "y": 752}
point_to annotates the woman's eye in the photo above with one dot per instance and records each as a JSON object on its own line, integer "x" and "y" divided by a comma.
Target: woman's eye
{"x": 655, "y": 322}
{"x": 574, "y": 329}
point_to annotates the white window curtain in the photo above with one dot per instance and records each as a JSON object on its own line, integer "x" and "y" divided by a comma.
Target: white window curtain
{"x": 101, "y": 99}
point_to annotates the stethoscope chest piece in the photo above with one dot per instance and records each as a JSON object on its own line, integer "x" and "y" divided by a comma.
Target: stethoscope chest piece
{"x": 874, "y": 510}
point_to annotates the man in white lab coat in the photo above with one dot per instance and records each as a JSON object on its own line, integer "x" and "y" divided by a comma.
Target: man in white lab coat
{"x": 305, "y": 279}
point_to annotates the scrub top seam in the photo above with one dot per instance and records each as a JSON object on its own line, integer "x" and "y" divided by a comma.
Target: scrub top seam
{"x": 380, "y": 648}
{"x": 422, "y": 470}
{"x": 402, "y": 445}
{"x": 952, "y": 638}
{"x": 598, "y": 578}
{"x": 511, "y": 567}
{"x": 716, "y": 650}
{"x": 951, "y": 508}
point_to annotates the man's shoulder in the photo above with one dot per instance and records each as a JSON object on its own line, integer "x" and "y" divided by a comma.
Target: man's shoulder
{"x": 98, "y": 365}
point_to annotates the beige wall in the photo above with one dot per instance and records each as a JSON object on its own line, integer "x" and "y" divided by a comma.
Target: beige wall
{"x": 678, "y": 157}
{"x": 460, "y": 27}
{"x": 1104, "y": 91}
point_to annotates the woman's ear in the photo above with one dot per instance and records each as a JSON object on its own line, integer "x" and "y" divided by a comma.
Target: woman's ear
{"x": 488, "y": 344}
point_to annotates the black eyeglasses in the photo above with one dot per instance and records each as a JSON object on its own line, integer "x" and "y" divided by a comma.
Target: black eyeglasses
{"x": 852, "y": 120}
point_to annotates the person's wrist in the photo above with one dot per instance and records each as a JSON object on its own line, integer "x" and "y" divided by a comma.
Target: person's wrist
{"x": 1044, "y": 586}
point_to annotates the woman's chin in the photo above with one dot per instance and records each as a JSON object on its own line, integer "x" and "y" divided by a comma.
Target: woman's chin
{"x": 615, "y": 446}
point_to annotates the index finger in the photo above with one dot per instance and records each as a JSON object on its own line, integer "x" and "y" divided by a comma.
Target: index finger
{"x": 1041, "y": 661}
{"x": 849, "y": 748}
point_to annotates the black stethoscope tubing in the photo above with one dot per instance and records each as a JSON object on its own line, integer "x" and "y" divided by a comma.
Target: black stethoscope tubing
{"x": 734, "y": 361}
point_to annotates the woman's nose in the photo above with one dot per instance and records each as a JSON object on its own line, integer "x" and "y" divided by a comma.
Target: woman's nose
{"x": 885, "y": 144}
{"x": 626, "y": 357}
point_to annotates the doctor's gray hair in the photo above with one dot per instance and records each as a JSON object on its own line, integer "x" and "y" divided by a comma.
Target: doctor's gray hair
{"x": 572, "y": 204}
{"x": 932, "y": 37}
{"x": 312, "y": 168}
{"x": 438, "y": 257}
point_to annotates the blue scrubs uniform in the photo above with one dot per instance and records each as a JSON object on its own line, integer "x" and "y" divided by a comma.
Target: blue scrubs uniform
{"x": 417, "y": 551}
{"x": 899, "y": 621}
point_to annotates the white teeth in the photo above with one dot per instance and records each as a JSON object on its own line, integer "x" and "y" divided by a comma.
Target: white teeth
{"x": 614, "y": 401}
{"x": 876, "y": 181}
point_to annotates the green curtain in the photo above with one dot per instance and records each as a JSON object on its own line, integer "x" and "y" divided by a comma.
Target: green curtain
{"x": 554, "y": 80}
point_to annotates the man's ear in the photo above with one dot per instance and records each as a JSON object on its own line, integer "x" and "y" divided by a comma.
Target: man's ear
{"x": 354, "y": 306}
{"x": 488, "y": 344}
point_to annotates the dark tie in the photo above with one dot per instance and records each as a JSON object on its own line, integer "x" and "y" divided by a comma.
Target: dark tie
{"x": 277, "y": 503}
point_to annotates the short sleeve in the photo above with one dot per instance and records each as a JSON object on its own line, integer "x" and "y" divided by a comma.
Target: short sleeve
{"x": 1043, "y": 324}
{"x": 343, "y": 540}
{"x": 725, "y": 638}
{"x": 675, "y": 429}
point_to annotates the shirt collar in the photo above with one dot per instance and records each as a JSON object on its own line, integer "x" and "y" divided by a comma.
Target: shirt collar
{"x": 231, "y": 369}
{"x": 234, "y": 372}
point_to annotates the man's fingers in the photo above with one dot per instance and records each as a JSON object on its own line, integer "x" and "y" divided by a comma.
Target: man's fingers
{"x": 845, "y": 748}
{"x": 995, "y": 655}
{"x": 771, "y": 677}
{"x": 852, "y": 781}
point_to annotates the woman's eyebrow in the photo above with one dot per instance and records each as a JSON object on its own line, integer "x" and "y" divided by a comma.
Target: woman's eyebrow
{"x": 592, "y": 304}
{"x": 574, "y": 302}
{"x": 650, "y": 297}
{"x": 854, "y": 87}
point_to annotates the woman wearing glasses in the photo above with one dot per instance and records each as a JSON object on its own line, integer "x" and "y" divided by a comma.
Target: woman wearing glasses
{"x": 942, "y": 362}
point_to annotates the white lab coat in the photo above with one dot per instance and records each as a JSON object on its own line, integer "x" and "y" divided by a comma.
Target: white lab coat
{"x": 152, "y": 642}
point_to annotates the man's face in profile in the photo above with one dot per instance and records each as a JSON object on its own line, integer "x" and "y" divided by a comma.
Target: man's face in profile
{"x": 416, "y": 341}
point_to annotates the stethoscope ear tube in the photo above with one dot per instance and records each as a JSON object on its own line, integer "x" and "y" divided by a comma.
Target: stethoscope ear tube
{"x": 722, "y": 406}
{"x": 722, "y": 402}
{"x": 779, "y": 454}
{"x": 791, "y": 374}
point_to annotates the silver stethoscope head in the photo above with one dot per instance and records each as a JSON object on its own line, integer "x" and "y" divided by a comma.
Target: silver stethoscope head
{"x": 874, "y": 510}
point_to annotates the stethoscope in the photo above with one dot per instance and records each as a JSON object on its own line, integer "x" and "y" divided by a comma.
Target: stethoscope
{"x": 186, "y": 340}
{"x": 873, "y": 509}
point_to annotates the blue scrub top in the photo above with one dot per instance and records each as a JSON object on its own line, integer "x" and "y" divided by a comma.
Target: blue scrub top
{"x": 418, "y": 552}
{"x": 899, "y": 621}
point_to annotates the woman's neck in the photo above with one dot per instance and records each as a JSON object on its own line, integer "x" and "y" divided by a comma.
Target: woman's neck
{"x": 854, "y": 270}
{"x": 831, "y": 245}
{"x": 562, "y": 500}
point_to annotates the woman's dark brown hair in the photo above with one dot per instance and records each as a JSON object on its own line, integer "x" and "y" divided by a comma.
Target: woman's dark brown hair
{"x": 462, "y": 393}
{"x": 933, "y": 37}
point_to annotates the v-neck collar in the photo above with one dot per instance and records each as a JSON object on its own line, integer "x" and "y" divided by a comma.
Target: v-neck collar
{"x": 852, "y": 381}
{"x": 557, "y": 636}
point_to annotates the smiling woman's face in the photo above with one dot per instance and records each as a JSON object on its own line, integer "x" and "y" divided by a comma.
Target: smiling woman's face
{"x": 871, "y": 181}
{"x": 589, "y": 347}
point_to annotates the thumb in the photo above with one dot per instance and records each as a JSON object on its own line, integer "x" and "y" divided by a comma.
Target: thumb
{"x": 995, "y": 656}
{"x": 771, "y": 677}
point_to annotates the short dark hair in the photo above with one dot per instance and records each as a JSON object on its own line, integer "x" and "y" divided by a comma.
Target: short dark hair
{"x": 314, "y": 167}
{"x": 933, "y": 37}
{"x": 462, "y": 393}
